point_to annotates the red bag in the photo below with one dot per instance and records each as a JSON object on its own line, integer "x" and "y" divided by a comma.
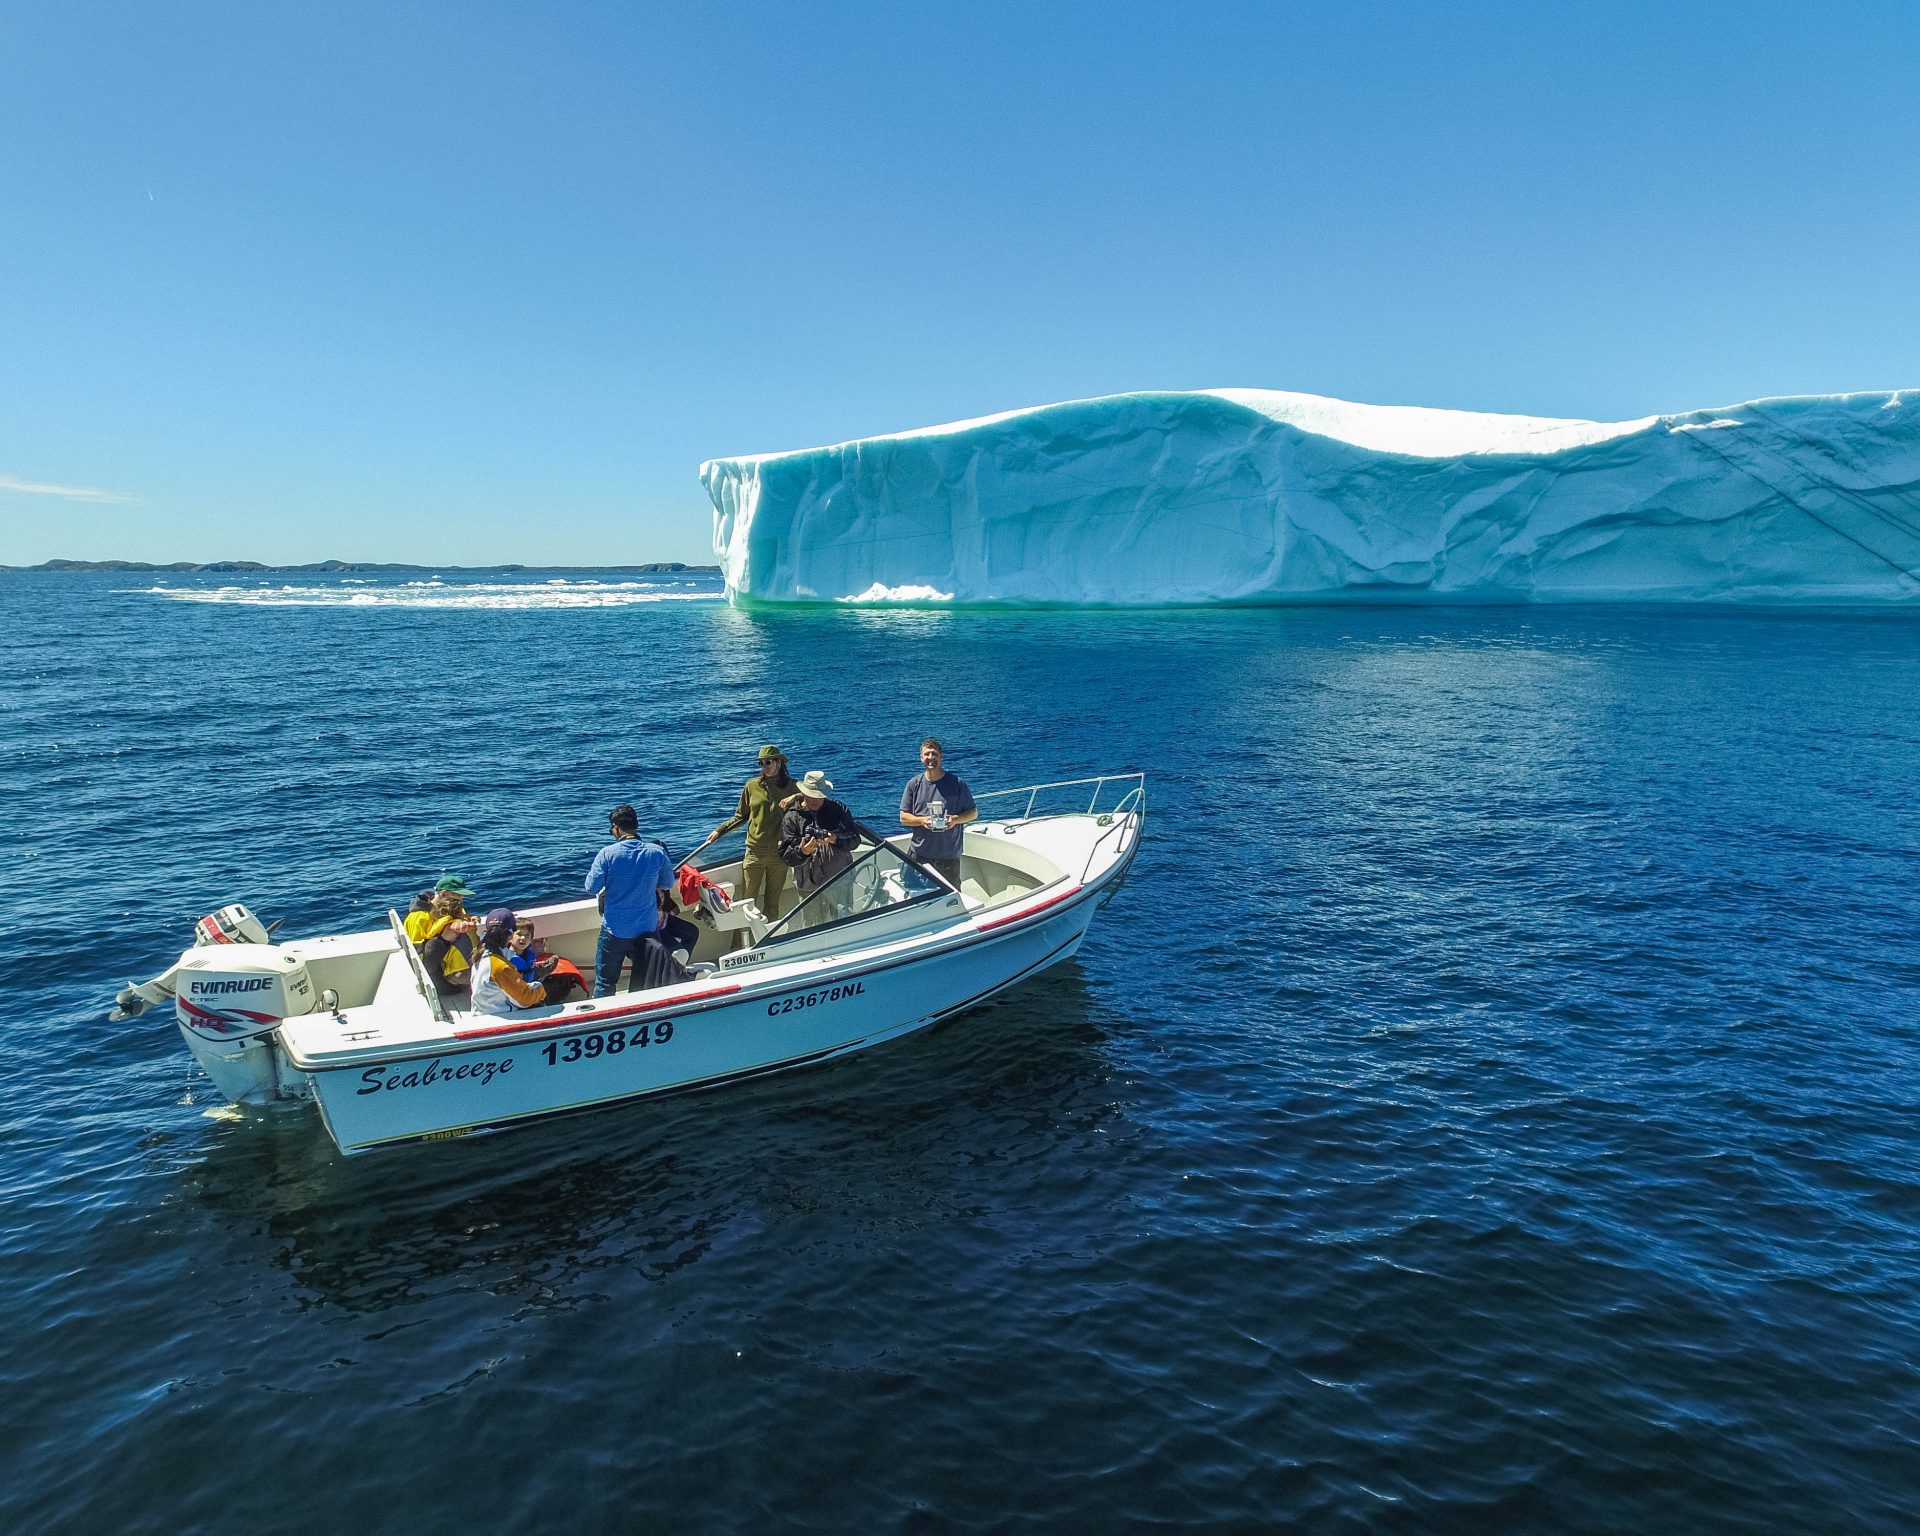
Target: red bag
{"x": 697, "y": 890}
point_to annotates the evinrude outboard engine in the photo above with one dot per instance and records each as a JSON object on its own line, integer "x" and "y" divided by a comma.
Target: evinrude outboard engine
{"x": 230, "y": 992}
{"x": 233, "y": 924}
{"x": 229, "y": 998}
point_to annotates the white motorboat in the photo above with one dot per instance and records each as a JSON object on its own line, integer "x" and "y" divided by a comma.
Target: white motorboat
{"x": 884, "y": 948}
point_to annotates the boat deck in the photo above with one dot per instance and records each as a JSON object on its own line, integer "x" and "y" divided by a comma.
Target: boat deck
{"x": 385, "y": 1008}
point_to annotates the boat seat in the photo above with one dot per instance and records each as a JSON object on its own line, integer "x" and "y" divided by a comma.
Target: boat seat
{"x": 396, "y": 981}
{"x": 743, "y": 914}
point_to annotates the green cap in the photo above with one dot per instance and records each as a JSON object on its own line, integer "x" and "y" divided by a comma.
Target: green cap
{"x": 455, "y": 884}
{"x": 770, "y": 750}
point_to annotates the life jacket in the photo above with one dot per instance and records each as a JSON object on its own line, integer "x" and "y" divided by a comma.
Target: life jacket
{"x": 421, "y": 926}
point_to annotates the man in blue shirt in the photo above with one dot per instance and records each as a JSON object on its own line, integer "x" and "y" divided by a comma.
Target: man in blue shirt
{"x": 629, "y": 870}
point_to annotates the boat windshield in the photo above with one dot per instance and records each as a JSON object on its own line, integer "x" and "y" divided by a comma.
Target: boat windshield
{"x": 876, "y": 882}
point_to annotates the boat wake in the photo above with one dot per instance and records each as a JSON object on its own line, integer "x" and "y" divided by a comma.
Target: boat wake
{"x": 437, "y": 594}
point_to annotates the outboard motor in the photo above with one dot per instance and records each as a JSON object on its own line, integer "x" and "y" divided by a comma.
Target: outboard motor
{"x": 233, "y": 924}
{"x": 229, "y": 997}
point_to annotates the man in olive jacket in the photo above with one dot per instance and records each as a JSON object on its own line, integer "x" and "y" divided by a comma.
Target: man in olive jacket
{"x": 763, "y": 873}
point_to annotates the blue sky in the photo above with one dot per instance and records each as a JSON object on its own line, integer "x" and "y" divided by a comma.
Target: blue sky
{"x": 473, "y": 282}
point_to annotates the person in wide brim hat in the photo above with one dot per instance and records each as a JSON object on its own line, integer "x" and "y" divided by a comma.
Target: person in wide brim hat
{"x": 817, "y": 836}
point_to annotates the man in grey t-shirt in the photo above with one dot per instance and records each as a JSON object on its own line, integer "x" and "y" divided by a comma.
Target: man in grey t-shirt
{"x": 936, "y": 804}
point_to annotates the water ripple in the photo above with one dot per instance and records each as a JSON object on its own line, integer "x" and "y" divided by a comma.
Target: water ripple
{"x": 1490, "y": 1106}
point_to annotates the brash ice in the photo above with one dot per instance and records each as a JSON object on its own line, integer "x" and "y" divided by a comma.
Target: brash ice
{"x": 1245, "y": 495}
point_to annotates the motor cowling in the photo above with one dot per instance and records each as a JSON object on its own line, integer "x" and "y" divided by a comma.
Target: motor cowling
{"x": 229, "y": 992}
{"x": 232, "y": 924}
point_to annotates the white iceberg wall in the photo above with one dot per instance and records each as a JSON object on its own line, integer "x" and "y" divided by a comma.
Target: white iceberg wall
{"x": 1251, "y": 495}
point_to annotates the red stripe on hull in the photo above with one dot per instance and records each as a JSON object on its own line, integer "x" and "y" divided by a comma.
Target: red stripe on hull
{"x": 569, "y": 1020}
{"x": 1014, "y": 917}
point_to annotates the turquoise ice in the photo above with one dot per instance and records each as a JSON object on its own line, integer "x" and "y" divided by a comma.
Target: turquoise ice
{"x": 1241, "y": 495}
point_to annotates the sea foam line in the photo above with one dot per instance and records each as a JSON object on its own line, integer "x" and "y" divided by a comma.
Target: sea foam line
{"x": 435, "y": 595}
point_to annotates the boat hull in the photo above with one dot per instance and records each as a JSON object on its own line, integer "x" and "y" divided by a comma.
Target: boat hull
{"x": 493, "y": 1074}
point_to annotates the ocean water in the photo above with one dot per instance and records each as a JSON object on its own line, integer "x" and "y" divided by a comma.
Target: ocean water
{"x": 1490, "y": 1105}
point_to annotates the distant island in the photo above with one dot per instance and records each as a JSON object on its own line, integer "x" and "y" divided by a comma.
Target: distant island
{"x": 356, "y": 567}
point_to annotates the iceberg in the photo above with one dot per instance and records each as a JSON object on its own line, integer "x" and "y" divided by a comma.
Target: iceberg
{"x": 1264, "y": 496}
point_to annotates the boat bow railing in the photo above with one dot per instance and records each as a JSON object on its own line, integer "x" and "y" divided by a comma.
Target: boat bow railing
{"x": 1128, "y": 810}
{"x": 1134, "y": 801}
{"x": 1133, "y": 798}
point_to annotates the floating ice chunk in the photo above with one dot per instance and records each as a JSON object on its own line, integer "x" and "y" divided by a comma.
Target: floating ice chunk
{"x": 1240, "y": 495}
